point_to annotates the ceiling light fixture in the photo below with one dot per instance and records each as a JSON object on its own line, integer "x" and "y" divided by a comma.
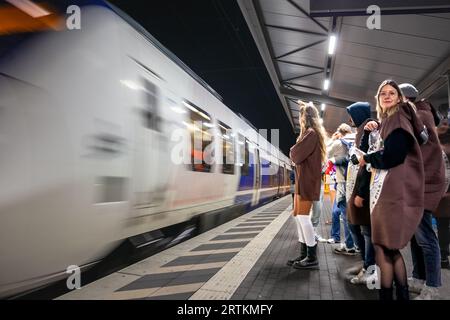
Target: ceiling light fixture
{"x": 332, "y": 44}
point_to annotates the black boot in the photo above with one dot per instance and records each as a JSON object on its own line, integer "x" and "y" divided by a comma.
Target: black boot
{"x": 402, "y": 292}
{"x": 386, "y": 294}
{"x": 310, "y": 261}
{"x": 300, "y": 257}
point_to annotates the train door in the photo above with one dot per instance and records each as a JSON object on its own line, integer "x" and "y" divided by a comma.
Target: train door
{"x": 151, "y": 170}
{"x": 279, "y": 177}
{"x": 257, "y": 180}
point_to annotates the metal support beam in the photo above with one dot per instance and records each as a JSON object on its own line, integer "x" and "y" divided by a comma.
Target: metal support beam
{"x": 303, "y": 76}
{"x": 434, "y": 79}
{"x": 302, "y": 86}
{"x": 327, "y": 8}
{"x": 300, "y": 49}
{"x": 308, "y": 15}
{"x": 297, "y": 30}
{"x": 259, "y": 32}
{"x": 315, "y": 97}
{"x": 300, "y": 64}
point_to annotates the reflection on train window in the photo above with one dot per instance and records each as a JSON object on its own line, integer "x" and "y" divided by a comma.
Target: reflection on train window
{"x": 201, "y": 129}
{"x": 228, "y": 154}
{"x": 244, "y": 154}
{"x": 151, "y": 114}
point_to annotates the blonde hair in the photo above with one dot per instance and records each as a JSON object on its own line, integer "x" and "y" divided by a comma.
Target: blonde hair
{"x": 309, "y": 118}
{"x": 344, "y": 129}
{"x": 382, "y": 114}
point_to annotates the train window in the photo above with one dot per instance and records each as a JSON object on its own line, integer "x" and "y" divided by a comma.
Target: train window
{"x": 244, "y": 154}
{"x": 151, "y": 114}
{"x": 200, "y": 128}
{"x": 228, "y": 153}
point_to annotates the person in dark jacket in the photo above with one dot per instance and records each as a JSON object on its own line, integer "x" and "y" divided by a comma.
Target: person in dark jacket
{"x": 425, "y": 251}
{"x": 308, "y": 155}
{"x": 358, "y": 194}
{"x": 396, "y": 204}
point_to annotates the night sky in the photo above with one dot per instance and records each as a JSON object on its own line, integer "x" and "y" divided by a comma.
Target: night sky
{"x": 212, "y": 38}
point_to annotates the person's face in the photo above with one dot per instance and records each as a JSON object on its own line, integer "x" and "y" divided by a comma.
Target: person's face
{"x": 443, "y": 126}
{"x": 388, "y": 97}
{"x": 351, "y": 122}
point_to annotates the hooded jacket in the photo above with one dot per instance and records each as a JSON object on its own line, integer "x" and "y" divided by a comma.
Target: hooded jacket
{"x": 360, "y": 112}
{"x": 356, "y": 175}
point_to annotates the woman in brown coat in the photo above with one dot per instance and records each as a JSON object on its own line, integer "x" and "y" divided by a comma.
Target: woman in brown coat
{"x": 397, "y": 187}
{"x": 308, "y": 154}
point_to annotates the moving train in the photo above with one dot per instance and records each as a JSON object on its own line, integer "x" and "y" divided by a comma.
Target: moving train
{"x": 93, "y": 124}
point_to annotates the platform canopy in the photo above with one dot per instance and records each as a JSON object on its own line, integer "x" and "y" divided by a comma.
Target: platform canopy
{"x": 412, "y": 45}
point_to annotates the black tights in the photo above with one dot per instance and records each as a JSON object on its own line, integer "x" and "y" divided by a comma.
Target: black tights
{"x": 392, "y": 266}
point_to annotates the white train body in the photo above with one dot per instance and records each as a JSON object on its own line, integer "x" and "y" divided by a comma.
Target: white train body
{"x": 88, "y": 121}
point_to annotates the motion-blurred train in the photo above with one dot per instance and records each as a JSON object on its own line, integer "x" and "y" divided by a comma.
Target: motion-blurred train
{"x": 88, "y": 123}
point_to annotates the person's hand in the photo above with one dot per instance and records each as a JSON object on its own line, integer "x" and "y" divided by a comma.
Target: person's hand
{"x": 361, "y": 161}
{"x": 336, "y": 136}
{"x": 443, "y": 127}
{"x": 358, "y": 202}
{"x": 371, "y": 125}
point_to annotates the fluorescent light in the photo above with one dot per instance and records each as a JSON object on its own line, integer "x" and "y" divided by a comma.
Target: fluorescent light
{"x": 322, "y": 107}
{"x": 29, "y": 8}
{"x": 332, "y": 44}
{"x": 326, "y": 84}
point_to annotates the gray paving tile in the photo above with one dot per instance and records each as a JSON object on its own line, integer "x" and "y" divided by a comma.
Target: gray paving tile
{"x": 194, "y": 277}
{"x": 176, "y": 296}
{"x": 218, "y": 246}
{"x": 219, "y": 257}
{"x": 281, "y": 282}
{"x": 236, "y": 236}
{"x": 143, "y": 284}
{"x": 252, "y": 224}
{"x": 244, "y": 229}
{"x": 198, "y": 259}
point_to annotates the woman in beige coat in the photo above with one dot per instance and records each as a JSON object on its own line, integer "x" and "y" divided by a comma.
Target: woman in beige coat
{"x": 308, "y": 154}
